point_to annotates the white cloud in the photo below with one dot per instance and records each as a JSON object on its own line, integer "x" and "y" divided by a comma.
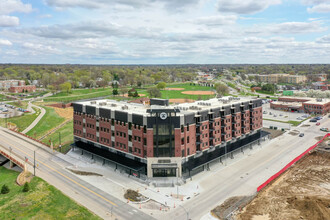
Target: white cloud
{"x": 5, "y": 42}
{"x": 216, "y": 20}
{"x": 172, "y": 5}
{"x": 321, "y": 8}
{"x": 8, "y": 21}
{"x": 324, "y": 39}
{"x": 296, "y": 28}
{"x": 246, "y": 6}
{"x": 10, "y": 6}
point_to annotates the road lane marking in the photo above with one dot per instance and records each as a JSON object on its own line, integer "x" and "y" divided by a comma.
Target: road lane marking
{"x": 64, "y": 176}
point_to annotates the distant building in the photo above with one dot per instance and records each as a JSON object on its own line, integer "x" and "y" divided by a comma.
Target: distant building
{"x": 321, "y": 77}
{"x": 6, "y": 84}
{"x": 279, "y": 77}
{"x": 302, "y": 104}
{"x": 143, "y": 100}
{"x": 20, "y": 89}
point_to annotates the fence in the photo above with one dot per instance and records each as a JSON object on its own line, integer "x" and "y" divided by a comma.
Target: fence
{"x": 290, "y": 164}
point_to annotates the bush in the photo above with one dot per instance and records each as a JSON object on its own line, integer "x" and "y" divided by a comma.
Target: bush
{"x": 26, "y": 187}
{"x": 5, "y": 189}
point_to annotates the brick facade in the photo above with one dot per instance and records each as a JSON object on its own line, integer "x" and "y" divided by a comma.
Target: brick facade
{"x": 20, "y": 89}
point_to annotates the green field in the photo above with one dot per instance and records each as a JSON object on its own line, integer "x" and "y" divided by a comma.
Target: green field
{"x": 66, "y": 135}
{"x": 43, "y": 201}
{"x": 294, "y": 123}
{"x": 50, "y": 120}
{"x": 3, "y": 98}
{"x": 23, "y": 121}
{"x": 78, "y": 94}
{"x": 171, "y": 94}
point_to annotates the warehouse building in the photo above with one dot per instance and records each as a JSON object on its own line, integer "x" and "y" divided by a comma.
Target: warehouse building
{"x": 162, "y": 140}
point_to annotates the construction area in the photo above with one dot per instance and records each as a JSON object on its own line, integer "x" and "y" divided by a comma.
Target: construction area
{"x": 302, "y": 192}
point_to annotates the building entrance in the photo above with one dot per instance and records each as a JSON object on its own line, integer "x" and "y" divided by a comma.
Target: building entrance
{"x": 164, "y": 172}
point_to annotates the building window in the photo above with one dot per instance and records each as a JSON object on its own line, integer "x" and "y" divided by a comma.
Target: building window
{"x": 187, "y": 127}
{"x": 188, "y": 140}
{"x": 182, "y": 153}
{"x": 182, "y": 141}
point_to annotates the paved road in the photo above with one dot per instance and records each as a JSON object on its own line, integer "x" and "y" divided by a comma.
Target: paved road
{"x": 244, "y": 176}
{"x": 54, "y": 173}
{"x": 36, "y": 121}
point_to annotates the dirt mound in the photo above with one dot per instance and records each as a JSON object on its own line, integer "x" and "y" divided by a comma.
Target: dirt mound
{"x": 66, "y": 113}
{"x": 198, "y": 92}
{"x": 300, "y": 193}
{"x": 181, "y": 100}
{"x": 174, "y": 89}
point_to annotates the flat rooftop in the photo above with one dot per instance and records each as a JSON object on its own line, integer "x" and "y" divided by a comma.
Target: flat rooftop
{"x": 184, "y": 107}
{"x": 314, "y": 101}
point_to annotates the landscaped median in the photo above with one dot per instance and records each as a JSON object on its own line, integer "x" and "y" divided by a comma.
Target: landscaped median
{"x": 294, "y": 123}
{"x": 42, "y": 201}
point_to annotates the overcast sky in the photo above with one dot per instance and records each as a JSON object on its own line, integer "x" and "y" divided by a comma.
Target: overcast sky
{"x": 164, "y": 31}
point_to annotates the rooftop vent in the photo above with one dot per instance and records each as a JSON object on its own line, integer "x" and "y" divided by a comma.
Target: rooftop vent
{"x": 93, "y": 102}
{"x": 102, "y": 103}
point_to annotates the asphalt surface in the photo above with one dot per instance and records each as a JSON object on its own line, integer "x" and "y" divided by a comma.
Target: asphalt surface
{"x": 54, "y": 173}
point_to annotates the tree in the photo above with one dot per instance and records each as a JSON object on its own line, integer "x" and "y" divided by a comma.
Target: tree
{"x": 221, "y": 89}
{"x": 136, "y": 94}
{"x": 51, "y": 88}
{"x": 154, "y": 92}
{"x": 115, "y": 92}
{"x": 65, "y": 87}
{"x": 4, "y": 189}
{"x": 26, "y": 187}
{"x": 161, "y": 85}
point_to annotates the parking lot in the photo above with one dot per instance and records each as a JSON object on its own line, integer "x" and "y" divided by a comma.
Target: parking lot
{"x": 281, "y": 115}
{"x": 7, "y": 111}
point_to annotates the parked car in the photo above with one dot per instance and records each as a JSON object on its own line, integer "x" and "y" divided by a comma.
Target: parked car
{"x": 270, "y": 113}
{"x": 324, "y": 129}
{"x": 313, "y": 120}
{"x": 318, "y": 118}
{"x": 318, "y": 123}
{"x": 299, "y": 118}
{"x": 281, "y": 115}
{"x": 301, "y": 135}
{"x": 265, "y": 112}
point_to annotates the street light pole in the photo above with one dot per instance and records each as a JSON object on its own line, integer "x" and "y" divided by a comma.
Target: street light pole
{"x": 59, "y": 137}
{"x": 187, "y": 213}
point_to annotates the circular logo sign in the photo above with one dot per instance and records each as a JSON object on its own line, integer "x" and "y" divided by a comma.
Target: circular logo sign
{"x": 163, "y": 115}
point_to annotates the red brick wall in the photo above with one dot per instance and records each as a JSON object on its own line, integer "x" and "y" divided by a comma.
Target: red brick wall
{"x": 237, "y": 127}
{"x": 78, "y": 124}
{"x": 204, "y": 137}
{"x": 19, "y": 89}
{"x": 246, "y": 122}
{"x": 136, "y": 143}
{"x": 150, "y": 142}
{"x": 121, "y": 139}
{"x": 256, "y": 119}
{"x": 217, "y": 131}
{"x": 104, "y": 133}
{"x": 287, "y": 99}
{"x": 90, "y": 119}
{"x": 177, "y": 141}
{"x": 227, "y": 129}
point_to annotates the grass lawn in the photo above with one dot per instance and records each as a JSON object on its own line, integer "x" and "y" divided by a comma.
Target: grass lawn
{"x": 172, "y": 94}
{"x": 294, "y": 123}
{"x": 50, "y": 120}
{"x": 3, "y": 98}
{"x": 43, "y": 201}
{"x": 66, "y": 135}
{"x": 20, "y": 104}
{"x": 78, "y": 94}
{"x": 23, "y": 121}
{"x": 265, "y": 92}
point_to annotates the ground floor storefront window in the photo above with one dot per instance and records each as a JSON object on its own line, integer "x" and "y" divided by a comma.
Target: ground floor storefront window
{"x": 163, "y": 172}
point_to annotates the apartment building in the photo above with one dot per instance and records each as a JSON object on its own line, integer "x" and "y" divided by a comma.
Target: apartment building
{"x": 163, "y": 140}
{"x": 285, "y": 78}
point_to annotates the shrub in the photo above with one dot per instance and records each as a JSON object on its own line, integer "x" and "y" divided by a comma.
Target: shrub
{"x": 26, "y": 187}
{"x": 5, "y": 189}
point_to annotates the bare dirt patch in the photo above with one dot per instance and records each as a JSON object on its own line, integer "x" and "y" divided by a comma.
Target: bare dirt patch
{"x": 66, "y": 113}
{"x": 294, "y": 132}
{"x": 84, "y": 173}
{"x": 181, "y": 100}
{"x": 174, "y": 89}
{"x": 198, "y": 92}
{"x": 126, "y": 95}
{"x": 273, "y": 133}
{"x": 301, "y": 193}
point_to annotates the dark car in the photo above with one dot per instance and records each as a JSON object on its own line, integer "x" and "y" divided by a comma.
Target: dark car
{"x": 301, "y": 135}
{"x": 313, "y": 120}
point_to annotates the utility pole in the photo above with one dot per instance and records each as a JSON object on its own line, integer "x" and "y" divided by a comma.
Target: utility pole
{"x": 59, "y": 137}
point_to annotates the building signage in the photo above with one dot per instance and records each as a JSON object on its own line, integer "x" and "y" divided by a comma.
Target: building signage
{"x": 163, "y": 115}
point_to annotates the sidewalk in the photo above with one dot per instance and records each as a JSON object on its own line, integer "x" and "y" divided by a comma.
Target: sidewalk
{"x": 36, "y": 121}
